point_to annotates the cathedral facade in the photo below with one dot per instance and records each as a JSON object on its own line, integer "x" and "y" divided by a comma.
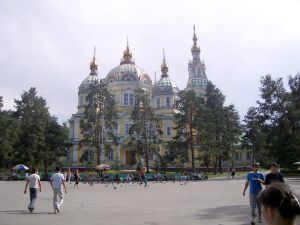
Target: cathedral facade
{"x": 122, "y": 81}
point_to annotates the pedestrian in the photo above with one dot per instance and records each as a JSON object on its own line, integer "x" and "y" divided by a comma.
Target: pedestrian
{"x": 254, "y": 179}
{"x": 280, "y": 205}
{"x": 274, "y": 175}
{"x": 69, "y": 175}
{"x": 34, "y": 182}
{"x": 183, "y": 178}
{"x": 76, "y": 177}
{"x": 57, "y": 181}
{"x": 228, "y": 172}
{"x": 142, "y": 176}
{"x": 232, "y": 172}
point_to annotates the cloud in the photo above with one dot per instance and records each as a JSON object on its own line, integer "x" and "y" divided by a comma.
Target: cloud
{"x": 49, "y": 44}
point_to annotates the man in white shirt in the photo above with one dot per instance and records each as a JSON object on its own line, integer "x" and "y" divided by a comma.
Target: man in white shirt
{"x": 34, "y": 184}
{"x": 57, "y": 181}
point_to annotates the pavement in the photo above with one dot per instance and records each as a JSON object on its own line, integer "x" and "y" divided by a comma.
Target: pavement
{"x": 211, "y": 202}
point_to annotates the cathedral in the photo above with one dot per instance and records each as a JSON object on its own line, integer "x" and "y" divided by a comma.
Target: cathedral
{"x": 122, "y": 81}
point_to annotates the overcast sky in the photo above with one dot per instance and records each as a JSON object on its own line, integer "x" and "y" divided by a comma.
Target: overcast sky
{"x": 49, "y": 44}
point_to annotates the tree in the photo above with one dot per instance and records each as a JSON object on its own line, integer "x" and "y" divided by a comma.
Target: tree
{"x": 32, "y": 113}
{"x": 232, "y": 130}
{"x": 99, "y": 118}
{"x": 10, "y": 131}
{"x": 56, "y": 142}
{"x": 273, "y": 114}
{"x": 1, "y": 103}
{"x": 188, "y": 107}
{"x": 292, "y": 124}
{"x": 145, "y": 130}
{"x": 215, "y": 102}
{"x": 251, "y": 131}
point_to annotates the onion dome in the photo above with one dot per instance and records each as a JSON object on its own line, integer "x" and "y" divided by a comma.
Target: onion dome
{"x": 165, "y": 86}
{"x": 128, "y": 72}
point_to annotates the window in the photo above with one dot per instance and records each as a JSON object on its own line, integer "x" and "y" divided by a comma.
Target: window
{"x": 131, "y": 99}
{"x": 110, "y": 155}
{"x": 92, "y": 155}
{"x": 248, "y": 156}
{"x": 81, "y": 100}
{"x": 157, "y": 102}
{"x": 238, "y": 156}
{"x": 168, "y": 102}
{"x": 127, "y": 127}
{"x": 169, "y": 131}
{"x": 116, "y": 129}
{"x": 69, "y": 154}
{"x": 128, "y": 99}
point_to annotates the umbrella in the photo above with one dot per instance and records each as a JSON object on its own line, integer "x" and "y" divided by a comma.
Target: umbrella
{"x": 20, "y": 167}
{"x": 103, "y": 167}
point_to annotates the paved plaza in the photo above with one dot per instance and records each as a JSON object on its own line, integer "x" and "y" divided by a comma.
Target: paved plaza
{"x": 211, "y": 202}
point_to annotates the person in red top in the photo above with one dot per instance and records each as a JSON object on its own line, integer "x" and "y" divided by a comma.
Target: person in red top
{"x": 143, "y": 178}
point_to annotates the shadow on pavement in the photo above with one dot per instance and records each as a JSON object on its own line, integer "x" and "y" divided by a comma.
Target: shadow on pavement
{"x": 237, "y": 213}
{"x": 23, "y": 212}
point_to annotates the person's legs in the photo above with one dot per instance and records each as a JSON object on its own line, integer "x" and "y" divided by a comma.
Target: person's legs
{"x": 258, "y": 211}
{"x": 61, "y": 197}
{"x": 55, "y": 192}
{"x": 253, "y": 201}
{"x": 33, "y": 197}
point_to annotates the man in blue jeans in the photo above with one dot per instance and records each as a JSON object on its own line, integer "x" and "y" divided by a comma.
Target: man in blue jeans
{"x": 255, "y": 179}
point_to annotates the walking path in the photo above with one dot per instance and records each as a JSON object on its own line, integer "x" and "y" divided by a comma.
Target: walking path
{"x": 217, "y": 202}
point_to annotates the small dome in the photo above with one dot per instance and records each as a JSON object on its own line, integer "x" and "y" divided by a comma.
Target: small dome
{"x": 90, "y": 79}
{"x": 165, "y": 81}
{"x": 165, "y": 86}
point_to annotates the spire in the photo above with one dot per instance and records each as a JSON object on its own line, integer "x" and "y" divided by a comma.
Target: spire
{"x": 195, "y": 38}
{"x": 164, "y": 67}
{"x": 94, "y": 65}
{"x": 127, "y": 55}
{"x": 195, "y": 49}
{"x": 154, "y": 77}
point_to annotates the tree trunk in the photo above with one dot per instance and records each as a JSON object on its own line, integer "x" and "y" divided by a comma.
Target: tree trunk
{"x": 193, "y": 157}
{"x": 215, "y": 162}
{"x": 220, "y": 165}
{"x": 147, "y": 158}
{"x": 45, "y": 166}
{"x": 98, "y": 154}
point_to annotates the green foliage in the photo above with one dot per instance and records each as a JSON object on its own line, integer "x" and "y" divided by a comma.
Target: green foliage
{"x": 1, "y": 103}
{"x": 56, "y": 143}
{"x": 99, "y": 120}
{"x": 224, "y": 126}
{"x": 206, "y": 125}
{"x": 33, "y": 115}
{"x": 145, "y": 130}
{"x": 251, "y": 132}
{"x": 30, "y": 135}
{"x": 10, "y": 131}
{"x": 274, "y": 127}
{"x": 188, "y": 109}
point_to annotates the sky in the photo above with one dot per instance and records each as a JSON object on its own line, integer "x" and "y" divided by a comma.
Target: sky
{"x": 49, "y": 44}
